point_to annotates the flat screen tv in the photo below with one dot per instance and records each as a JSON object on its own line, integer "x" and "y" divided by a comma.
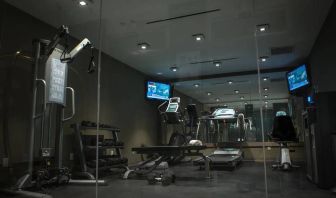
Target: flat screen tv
{"x": 298, "y": 78}
{"x": 158, "y": 90}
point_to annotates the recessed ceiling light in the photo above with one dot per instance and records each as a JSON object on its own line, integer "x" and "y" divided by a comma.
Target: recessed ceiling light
{"x": 217, "y": 99}
{"x": 265, "y": 78}
{"x": 196, "y": 85}
{"x": 236, "y": 91}
{"x": 266, "y": 102}
{"x": 159, "y": 73}
{"x": 209, "y": 93}
{"x": 263, "y": 58}
{"x": 265, "y": 96}
{"x": 230, "y": 82}
{"x": 174, "y": 69}
{"x": 18, "y": 52}
{"x": 143, "y": 46}
{"x": 265, "y": 89}
{"x": 199, "y": 37}
{"x": 242, "y": 97}
{"x": 217, "y": 63}
{"x": 82, "y": 3}
{"x": 263, "y": 28}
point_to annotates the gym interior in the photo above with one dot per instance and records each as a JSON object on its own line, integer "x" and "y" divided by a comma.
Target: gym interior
{"x": 167, "y": 98}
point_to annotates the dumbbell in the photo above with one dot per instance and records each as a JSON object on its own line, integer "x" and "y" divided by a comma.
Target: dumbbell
{"x": 167, "y": 178}
{"x": 152, "y": 178}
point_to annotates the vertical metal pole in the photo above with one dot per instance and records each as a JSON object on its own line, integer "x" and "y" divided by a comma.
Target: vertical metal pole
{"x": 37, "y": 46}
{"x": 198, "y": 126}
{"x": 6, "y": 100}
{"x": 218, "y": 131}
{"x": 207, "y": 167}
{"x": 261, "y": 114}
{"x": 50, "y": 117}
{"x": 98, "y": 90}
{"x": 59, "y": 135}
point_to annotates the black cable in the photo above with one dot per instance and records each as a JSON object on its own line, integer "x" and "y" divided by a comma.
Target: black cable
{"x": 65, "y": 50}
{"x": 92, "y": 65}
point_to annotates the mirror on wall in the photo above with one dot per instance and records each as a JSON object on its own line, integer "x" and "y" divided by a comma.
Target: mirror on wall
{"x": 231, "y": 96}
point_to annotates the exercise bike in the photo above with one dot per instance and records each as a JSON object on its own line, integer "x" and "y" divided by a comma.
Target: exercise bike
{"x": 283, "y": 133}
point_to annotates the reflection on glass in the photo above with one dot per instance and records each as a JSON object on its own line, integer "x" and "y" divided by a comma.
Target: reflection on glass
{"x": 152, "y": 92}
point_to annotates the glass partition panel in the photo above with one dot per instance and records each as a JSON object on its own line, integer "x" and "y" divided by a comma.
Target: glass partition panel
{"x": 49, "y": 97}
{"x": 179, "y": 81}
{"x": 298, "y": 153}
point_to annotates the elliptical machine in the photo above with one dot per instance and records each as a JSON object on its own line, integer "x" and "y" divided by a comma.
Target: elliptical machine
{"x": 172, "y": 115}
{"x": 193, "y": 122}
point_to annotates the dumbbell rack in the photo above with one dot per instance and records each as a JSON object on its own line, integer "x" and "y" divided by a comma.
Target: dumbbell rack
{"x": 81, "y": 150}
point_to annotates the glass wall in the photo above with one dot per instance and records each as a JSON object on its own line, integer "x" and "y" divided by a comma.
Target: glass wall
{"x": 48, "y": 53}
{"x": 285, "y": 108}
{"x": 207, "y": 53}
{"x": 162, "y": 98}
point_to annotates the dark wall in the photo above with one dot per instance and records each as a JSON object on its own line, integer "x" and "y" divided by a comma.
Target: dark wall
{"x": 322, "y": 57}
{"x": 122, "y": 91}
{"x": 323, "y": 71}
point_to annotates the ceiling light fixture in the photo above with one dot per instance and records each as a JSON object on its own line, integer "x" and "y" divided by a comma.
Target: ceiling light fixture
{"x": 245, "y": 103}
{"x": 242, "y": 97}
{"x": 196, "y": 85}
{"x": 209, "y": 93}
{"x": 230, "y": 82}
{"x": 143, "y": 46}
{"x": 265, "y": 89}
{"x": 263, "y": 58}
{"x": 236, "y": 91}
{"x": 174, "y": 69}
{"x": 217, "y": 99}
{"x": 199, "y": 37}
{"x": 159, "y": 73}
{"x": 266, "y": 102}
{"x": 82, "y": 3}
{"x": 265, "y": 96}
{"x": 265, "y": 78}
{"x": 263, "y": 28}
{"x": 217, "y": 63}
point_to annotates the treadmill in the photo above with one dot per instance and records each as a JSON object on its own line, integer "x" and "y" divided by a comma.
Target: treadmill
{"x": 228, "y": 154}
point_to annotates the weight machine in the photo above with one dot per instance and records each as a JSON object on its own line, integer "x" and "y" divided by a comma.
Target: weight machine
{"x": 55, "y": 59}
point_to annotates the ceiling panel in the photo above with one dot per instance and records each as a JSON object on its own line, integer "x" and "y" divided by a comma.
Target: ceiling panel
{"x": 229, "y": 33}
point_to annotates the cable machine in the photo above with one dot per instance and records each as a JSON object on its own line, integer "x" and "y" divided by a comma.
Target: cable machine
{"x": 54, "y": 59}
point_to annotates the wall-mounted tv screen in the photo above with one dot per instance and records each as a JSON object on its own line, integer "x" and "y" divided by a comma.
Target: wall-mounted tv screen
{"x": 158, "y": 90}
{"x": 298, "y": 78}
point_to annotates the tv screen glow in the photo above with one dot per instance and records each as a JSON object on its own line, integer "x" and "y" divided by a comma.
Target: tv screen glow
{"x": 297, "y": 78}
{"x": 157, "y": 90}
